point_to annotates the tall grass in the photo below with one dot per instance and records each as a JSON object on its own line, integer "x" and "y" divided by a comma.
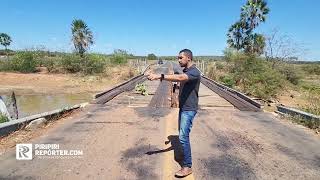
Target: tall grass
{"x": 310, "y": 123}
{"x": 311, "y": 69}
{"x": 313, "y": 106}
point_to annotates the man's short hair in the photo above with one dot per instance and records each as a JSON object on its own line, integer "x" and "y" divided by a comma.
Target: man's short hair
{"x": 188, "y": 52}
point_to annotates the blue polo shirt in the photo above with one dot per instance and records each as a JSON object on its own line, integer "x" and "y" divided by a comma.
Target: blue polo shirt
{"x": 189, "y": 90}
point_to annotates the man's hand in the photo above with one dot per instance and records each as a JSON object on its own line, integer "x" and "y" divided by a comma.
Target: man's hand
{"x": 152, "y": 77}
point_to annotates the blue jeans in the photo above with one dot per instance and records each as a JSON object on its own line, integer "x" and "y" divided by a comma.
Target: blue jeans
{"x": 185, "y": 125}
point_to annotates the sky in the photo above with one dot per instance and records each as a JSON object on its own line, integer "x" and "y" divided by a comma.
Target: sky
{"x": 161, "y": 27}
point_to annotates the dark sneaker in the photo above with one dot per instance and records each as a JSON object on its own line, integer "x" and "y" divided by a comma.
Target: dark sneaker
{"x": 183, "y": 172}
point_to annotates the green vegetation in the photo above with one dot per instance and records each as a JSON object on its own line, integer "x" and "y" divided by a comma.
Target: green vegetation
{"x": 21, "y": 62}
{"x": 151, "y": 57}
{"x": 120, "y": 56}
{"x": 240, "y": 34}
{"x": 227, "y": 80}
{"x": 219, "y": 65}
{"x": 82, "y": 36}
{"x": 290, "y": 72}
{"x": 252, "y": 75}
{"x": 30, "y": 61}
{"x": 310, "y": 123}
{"x": 142, "y": 89}
{"x": 312, "y": 69}
{"x": 245, "y": 69}
{"x": 313, "y": 98}
{"x": 7, "y": 52}
{"x": 3, "y": 118}
{"x": 309, "y": 85}
{"x": 256, "y": 76}
{"x": 266, "y": 77}
{"x": 88, "y": 64}
{"x": 5, "y": 40}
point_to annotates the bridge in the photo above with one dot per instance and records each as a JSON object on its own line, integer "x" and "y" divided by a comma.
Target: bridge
{"x": 125, "y": 135}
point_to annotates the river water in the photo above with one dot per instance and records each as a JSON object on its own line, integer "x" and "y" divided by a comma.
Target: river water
{"x": 34, "y": 104}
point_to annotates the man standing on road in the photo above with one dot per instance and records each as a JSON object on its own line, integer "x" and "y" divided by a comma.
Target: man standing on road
{"x": 188, "y": 103}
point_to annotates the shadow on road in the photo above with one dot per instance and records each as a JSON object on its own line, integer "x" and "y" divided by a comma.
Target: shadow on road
{"x": 175, "y": 146}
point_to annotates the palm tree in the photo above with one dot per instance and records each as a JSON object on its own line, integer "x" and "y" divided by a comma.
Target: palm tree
{"x": 5, "y": 40}
{"x": 255, "y": 44}
{"x": 237, "y": 35}
{"x": 254, "y": 12}
{"x": 82, "y": 36}
{"x": 259, "y": 44}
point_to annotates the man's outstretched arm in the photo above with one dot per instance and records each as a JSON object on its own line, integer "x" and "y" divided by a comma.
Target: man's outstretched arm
{"x": 169, "y": 77}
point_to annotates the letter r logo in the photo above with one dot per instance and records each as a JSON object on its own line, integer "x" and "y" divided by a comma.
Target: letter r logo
{"x": 24, "y": 151}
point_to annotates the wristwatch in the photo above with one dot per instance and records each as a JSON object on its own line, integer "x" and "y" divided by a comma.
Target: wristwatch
{"x": 162, "y": 77}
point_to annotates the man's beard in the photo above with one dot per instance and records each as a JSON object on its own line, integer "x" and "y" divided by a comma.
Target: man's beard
{"x": 182, "y": 65}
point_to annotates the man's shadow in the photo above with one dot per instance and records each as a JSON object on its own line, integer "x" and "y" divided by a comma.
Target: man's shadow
{"x": 175, "y": 146}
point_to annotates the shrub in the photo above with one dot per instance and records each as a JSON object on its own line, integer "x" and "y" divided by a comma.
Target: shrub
{"x": 142, "y": 89}
{"x": 5, "y": 65}
{"x": 151, "y": 57}
{"x": 52, "y": 64}
{"x": 265, "y": 85}
{"x": 227, "y": 80}
{"x": 119, "y": 57}
{"x": 23, "y": 62}
{"x": 71, "y": 63}
{"x": 255, "y": 76}
{"x": 219, "y": 65}
{"x": 93, "y": 64}
{"x": 3, "y": 118}
{"x": 89, "y": 64}
{"x": 290, "y": 73}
